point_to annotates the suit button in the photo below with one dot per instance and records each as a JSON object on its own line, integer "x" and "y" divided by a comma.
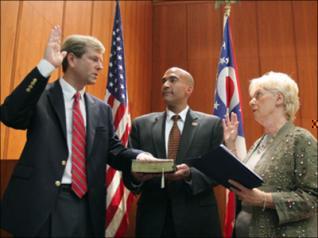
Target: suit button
{"x": 34, "y": 81}
{"x": 63, "y": 162}
{"x": 57, "y": 183}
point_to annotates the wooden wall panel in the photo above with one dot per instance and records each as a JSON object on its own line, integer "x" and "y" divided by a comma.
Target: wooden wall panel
{"x": 280, "y": 35}
{"x": 203, "y": 48}
{"x": 169, "y": 45}
{"x": 137, "y": 33}
{"x": 305, "y": 35}
{"x": 9, "y": 15}
{"x": 32, "y": 30}
{"x": 276, "y": 39}
{"x": 101, "y": 27}
{"x": 245, "y": 39}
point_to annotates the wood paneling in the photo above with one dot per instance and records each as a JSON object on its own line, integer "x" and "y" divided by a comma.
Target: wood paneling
{"x": 305, "y": 39}
{"x": 9, "y": 16}
{"x": 280, "y": 36}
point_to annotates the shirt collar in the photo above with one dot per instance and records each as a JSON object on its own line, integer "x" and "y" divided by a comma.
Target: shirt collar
{"x": 182, "y": 114}
{"x": 69, "y": 91}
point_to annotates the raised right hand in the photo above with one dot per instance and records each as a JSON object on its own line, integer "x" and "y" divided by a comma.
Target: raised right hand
{"x": 230, "y": 127}
{"x": 53, "y": 52}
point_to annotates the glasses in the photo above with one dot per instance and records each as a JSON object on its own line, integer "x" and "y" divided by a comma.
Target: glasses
{"x": 260, "y": 92}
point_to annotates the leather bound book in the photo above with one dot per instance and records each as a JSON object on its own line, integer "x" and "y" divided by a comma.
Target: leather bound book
{"x": 157, "y": 166}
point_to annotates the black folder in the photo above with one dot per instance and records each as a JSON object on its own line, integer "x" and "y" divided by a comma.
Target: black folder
{"x": 221, "y": 165}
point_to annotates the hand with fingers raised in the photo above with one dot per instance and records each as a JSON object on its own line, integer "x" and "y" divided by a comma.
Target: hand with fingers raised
{"x": 53, "y": 52}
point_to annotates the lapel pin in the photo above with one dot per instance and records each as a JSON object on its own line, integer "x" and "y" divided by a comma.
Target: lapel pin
{"x": 194, "y": 123}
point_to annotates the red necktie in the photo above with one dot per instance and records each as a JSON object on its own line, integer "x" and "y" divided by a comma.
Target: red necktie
{"x": 174, "y": 138}
{"x": 79, "y": 180}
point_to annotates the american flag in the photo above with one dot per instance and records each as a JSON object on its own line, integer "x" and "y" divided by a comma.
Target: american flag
{"x": 118, "y": 197}
{"x": 227, "y": 100}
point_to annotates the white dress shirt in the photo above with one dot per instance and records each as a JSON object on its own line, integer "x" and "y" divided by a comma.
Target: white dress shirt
{"x": 46, "y": 69}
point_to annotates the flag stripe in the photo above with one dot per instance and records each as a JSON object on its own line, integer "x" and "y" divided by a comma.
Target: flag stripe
{"x": 113, "y": 184}
{"x": 116, "y": 199}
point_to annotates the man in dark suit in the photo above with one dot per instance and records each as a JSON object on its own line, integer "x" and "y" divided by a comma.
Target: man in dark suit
{"x": 186, "y": 207}
{"x": 57, "y": 188}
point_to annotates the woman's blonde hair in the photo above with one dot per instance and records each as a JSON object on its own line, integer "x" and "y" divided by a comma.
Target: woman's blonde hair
{"x": 282, "y": 83}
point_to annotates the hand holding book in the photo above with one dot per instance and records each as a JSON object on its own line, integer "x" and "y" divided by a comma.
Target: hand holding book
{"x": 144, "y": 170}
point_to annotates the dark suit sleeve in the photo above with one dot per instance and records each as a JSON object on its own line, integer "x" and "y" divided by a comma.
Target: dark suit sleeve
{"x": 18, "y": 107}
{"x": 120, "y": 157}
{"x": 128, "y": 179}
{"x": 199, "y": 181}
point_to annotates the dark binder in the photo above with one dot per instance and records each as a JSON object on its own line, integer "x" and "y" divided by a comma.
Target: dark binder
{"x": 221, "y": 164}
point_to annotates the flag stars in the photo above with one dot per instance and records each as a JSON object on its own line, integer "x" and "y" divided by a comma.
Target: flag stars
{"x": 224, "y": 60}
{"x": 216, "y": 105}
{"x": 224, "y": 45}
{"x": 118, "y": 38}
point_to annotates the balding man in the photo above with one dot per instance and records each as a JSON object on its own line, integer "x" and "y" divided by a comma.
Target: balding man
{"x": 187, "y": 205}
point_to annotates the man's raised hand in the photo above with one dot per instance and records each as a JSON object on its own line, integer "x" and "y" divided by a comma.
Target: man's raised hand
{"x": 53, "y": 52}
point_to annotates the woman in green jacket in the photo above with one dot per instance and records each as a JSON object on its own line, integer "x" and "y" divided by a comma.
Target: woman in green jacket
{"x": 285, "y": 156}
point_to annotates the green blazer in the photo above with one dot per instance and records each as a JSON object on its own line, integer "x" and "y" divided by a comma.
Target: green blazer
{"x": 289, "y": 169}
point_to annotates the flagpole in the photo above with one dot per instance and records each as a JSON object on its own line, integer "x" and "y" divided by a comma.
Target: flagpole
{"x": 227, "y": 12}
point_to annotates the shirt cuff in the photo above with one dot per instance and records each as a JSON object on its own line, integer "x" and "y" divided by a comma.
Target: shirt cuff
{"x": 45, "y": 68}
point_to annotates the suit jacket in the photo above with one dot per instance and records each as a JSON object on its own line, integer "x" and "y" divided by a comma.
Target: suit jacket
{"x": 33, "y": 188}
{"x": 193, "y": 205}
{"x": 289, "y": 169}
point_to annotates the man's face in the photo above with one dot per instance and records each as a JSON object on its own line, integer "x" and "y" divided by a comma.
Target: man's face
{"x": 176, "y": 88}
{"x": 87, "y": 67}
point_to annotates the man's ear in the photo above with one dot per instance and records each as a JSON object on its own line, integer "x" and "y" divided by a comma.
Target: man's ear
{"x": 280, "y": 99}
{"x": 71, "y": 59}
{"x": 189, "y": 90}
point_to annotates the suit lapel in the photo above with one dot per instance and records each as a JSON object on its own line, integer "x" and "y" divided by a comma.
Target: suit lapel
{"x": 158, "y": 133}
{"x": 91, "y": 117}
{"x": 190, "y": 127}
{"x": 56, "y": 99}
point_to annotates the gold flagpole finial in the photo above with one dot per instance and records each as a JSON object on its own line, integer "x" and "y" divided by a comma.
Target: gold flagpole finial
{"x": 227, "y": 7}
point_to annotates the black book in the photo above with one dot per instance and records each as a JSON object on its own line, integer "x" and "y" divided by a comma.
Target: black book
{"x": 220, "y": 164}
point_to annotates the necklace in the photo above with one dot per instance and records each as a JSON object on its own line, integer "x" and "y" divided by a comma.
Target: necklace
{"x": 265, "y": 141}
